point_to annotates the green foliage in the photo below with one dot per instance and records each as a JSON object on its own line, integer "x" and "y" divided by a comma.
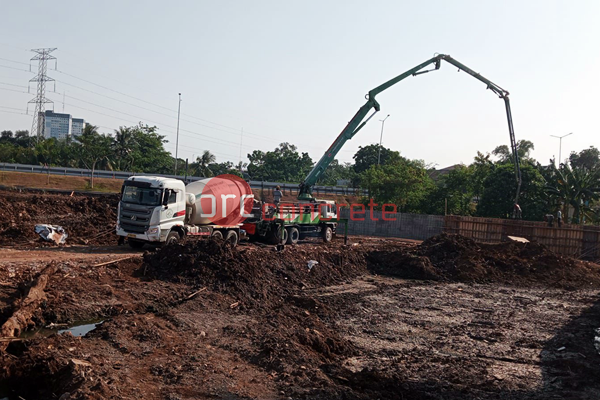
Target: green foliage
{"x": 587, "y": 158}
{"x": 500, "y": 188}
{"x": 201, "y": 166}
{"x": 148, "y": 152}
{"x": 524, "y": 148}
{"x": 366, "y": 157}
{"x": 338, "y": 172}
{"x": 453, "y": 193}
{"x": 578, "y": 187}
{"x": 404, "y": 183}
{"x": 284, "y": 164}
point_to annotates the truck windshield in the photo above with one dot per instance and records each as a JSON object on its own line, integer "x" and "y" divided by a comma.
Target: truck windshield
{"x": 144, "y": 196}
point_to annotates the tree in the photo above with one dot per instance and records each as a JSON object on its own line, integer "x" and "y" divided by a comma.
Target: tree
{"x": 93, "y": 148}
{"x": 404, "y": 183}
{"x": 284, "y": 164}
{"x": 366, "y": 156}
{"x": 454, "y": 193}
{"x": 203, "y": 162}
{"x": 337, "y": 172}
{"x": 149, "y": 154}
{"x": 500, "y": 186}
{"x": 480, "y": 168}
{"x": 6, "y": 134}
{"x": 524, "y": 148}
{"x": 577, "y": 187}
{"x": 587, "y": 158}
{"x": 225, "y": 168}
{"x": 123, "y": 145}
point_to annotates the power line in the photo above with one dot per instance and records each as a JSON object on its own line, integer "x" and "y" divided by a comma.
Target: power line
{"x": 12, "y": 84}
{"x": 11, "y": 108}
{"x": 15, "y": 68}
{"x": 13, "y": 61}
{"x": 12, "y": 112}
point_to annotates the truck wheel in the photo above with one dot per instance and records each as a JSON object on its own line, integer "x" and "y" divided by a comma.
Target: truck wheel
{"x": 232, "y": 238}
{"x": 293, "y": 236}
{"x": 275, "y": 236}
{"x": 172, "y": 238}
{"x": 327, "y": 234}
{"x": 217, "y": 235}
{"x": 135, "y": 244}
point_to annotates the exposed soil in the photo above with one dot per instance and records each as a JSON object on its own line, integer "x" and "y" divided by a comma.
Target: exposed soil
{"x": 376, "y": 319}
{"x": 459, "y": 259}
{"x": 86, "y": 219}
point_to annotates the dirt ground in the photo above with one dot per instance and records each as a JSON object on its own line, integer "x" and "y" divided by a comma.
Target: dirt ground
{"x": 377, "y": 319}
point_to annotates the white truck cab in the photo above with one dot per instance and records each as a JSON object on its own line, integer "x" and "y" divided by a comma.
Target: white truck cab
{"x": 150, "y": 208}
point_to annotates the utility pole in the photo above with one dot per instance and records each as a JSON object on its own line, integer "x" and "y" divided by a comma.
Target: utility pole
{"x": 177, "y": 140}
{"x": 42, "y": 57}
{"x": 560, "y": 146}
{"x": 381, "y": 139}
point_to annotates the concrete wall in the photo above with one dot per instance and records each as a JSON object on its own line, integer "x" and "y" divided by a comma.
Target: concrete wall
{"x": 406, "y": 226}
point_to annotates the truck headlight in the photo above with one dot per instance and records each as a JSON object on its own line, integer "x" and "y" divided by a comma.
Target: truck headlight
{"x": 152, "y": 230}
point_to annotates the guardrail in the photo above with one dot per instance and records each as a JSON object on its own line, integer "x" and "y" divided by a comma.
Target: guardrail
{"x": 289, "y": 188}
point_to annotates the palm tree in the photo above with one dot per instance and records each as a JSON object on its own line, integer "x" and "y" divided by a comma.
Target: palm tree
{"x": 524, "y": 148}
{"x": 575, "y": 187}
{"x": 122, "y": 146}
{"x": 203, "y": 162}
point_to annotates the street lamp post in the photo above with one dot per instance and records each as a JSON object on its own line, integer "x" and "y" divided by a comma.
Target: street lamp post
{"x": 560, "y": 145}
{"x": 381, "y": 139}
{"x": 177, "y": 139}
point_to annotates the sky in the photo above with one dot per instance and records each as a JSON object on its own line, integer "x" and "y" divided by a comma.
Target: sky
{"x": 255, "y": 74}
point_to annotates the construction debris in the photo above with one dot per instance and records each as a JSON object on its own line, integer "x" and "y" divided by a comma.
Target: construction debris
{"x": 51, "y": 233}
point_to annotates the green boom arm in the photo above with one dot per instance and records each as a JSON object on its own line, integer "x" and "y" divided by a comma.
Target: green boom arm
{"x": 357, "y": 123}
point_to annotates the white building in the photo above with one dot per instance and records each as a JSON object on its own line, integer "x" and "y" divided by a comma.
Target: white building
{"x": 61, "y": 126}
{"x": 77, "y": 125}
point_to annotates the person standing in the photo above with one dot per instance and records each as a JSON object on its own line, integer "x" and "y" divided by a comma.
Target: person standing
{"x": 277, "y": 195}
{"x": 517, "y": 211}
{"x": 559, "y": 218}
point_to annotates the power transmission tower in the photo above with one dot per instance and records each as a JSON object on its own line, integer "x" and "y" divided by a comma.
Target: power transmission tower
{"x": 40, "y": 100}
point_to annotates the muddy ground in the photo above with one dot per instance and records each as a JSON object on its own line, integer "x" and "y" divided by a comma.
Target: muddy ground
{"x": 447, "y": 319}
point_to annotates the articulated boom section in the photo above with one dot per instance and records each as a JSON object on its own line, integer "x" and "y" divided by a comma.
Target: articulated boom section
{"x": 357, "y": 123}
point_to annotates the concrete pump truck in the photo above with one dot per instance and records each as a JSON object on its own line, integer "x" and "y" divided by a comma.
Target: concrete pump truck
{"x": 312, "y": 217}
{"x": 161, "y": 210}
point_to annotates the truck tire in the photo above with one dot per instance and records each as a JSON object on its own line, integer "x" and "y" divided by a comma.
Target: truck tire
{"x": 136, "y": 244}
{"x": 217, "y": 235}
{"x": 172, "y": 238}
{"x": 327, "y": 234}
{"x": 275, "y": 236}
{"x": 232, "y": 238}
{"x": 293, "y": 235}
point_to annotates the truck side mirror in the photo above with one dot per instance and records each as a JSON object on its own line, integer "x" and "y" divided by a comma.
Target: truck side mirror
{"x": 166, "y": 197}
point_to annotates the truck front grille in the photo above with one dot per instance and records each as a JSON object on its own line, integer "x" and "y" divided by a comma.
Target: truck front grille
{"x": 135, "y": 218}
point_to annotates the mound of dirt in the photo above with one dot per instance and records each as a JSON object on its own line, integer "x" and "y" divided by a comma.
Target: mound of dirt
{"x": 273, "y": 288}
{"x": 87, "y": 220}
{"x": 256, "y": 276}
{"x": 459, "y": 259}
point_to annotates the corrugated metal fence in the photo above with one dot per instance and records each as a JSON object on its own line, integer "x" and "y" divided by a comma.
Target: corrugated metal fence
{"x": 402, "y": 225}
{"x": 571, "y": 240}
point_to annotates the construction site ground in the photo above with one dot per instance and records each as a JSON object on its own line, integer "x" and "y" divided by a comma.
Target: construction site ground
{"x": 375, "y": 319}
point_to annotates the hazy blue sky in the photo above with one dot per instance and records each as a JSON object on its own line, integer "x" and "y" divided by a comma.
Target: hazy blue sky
{"x": 298, "y": 71}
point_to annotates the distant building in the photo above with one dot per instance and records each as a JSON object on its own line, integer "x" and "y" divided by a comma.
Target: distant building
{"x": 61, "y": 126}
{"x": 436, "y": 174}
{"x": 77, "y": 125}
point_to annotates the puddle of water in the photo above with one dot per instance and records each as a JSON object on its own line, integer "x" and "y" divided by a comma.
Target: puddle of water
{"x": 80, "y": 328}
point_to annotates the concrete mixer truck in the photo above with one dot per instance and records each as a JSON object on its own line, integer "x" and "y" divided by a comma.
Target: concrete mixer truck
{"x": 158, "y": 210}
